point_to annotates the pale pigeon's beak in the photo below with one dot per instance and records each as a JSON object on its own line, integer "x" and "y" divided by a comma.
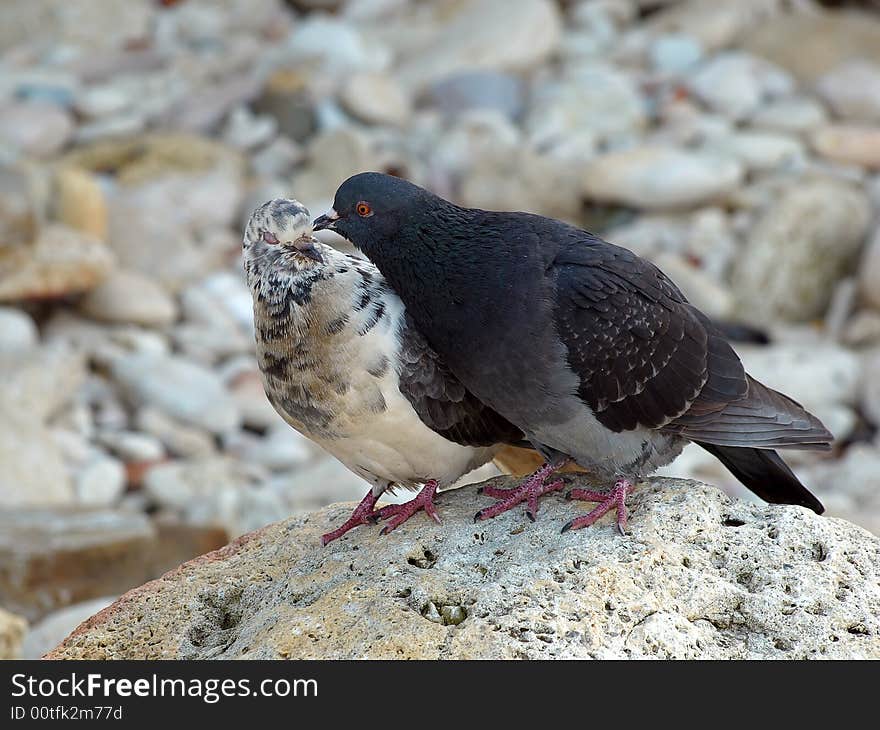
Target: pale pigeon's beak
{"x": 305, "y": 246}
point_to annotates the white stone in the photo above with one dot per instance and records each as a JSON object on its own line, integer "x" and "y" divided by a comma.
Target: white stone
{"x": 220, "y": 301}
{"x": 180, "y": 439}
{"x": 815, "y": 229}
{"x": 674, "y": 53}
{"x": 132, "y": 445}
{"x": 281, "y": 449}
{"x": 656, "y": 177}
{"x": 793, "y": 114}
{"x": 869, "y": 272}
{"x": 595, "y": 99}
{"x": 336, "y": 47}
{"x": 736, "y": 84}
{"x": 759, "y": 151}
{"x": 102, "y": 101}
{"x": 47, "y": 633}
{"x": 101, "y": 482}
{"x": 375, "y": 98}
{"x": 36, "y": 129}
{"x": 127, "y": 296}
{"x": 18, "y": 333}
{"x": 183, "y": 389}
{"x": 504, "y": 35}
{"x": 33, "y": 473}
{"x": 277, "y": 158}
{"x": 256, "y": 410}
{"x": 852, "y": 90}
{"x": 870, "y": 386}
{"x": 247, "y": 130}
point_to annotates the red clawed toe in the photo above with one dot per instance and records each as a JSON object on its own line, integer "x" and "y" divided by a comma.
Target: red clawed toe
{"x": 400, "y": 513}
{"x": 363, "y": 515}
{"x": 528, "y": 492}
{"x": 615, "y": 499}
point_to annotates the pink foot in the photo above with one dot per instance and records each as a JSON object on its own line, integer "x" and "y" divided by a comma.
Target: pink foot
{"x": 424, "y": 500}
{"x": 363, "y": 515}
{"x": 615, "y": 499}
{"x": 528, "y": 491}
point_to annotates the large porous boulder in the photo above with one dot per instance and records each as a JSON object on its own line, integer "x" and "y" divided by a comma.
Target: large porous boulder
{"x": 699, "y": 575}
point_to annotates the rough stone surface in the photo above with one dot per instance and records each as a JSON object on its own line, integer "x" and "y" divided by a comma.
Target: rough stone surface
{"x": 699, "y": 576}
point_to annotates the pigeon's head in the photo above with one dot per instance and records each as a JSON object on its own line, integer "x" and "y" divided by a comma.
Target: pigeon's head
{"x": 370, "y": 210}
{"x": 284, "y": 224}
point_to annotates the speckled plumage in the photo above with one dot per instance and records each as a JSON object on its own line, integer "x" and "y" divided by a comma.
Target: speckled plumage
{"x": 341, "y": 366}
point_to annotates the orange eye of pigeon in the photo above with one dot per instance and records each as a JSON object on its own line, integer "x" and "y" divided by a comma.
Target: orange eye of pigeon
{"x": 269, "y": 237}
{"x": 363, "y": 210}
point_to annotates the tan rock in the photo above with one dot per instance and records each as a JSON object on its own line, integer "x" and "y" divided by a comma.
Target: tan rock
{"x": 850, "y": 144}
{"x": 869, "y": 272}
{"x": 34, "y": 473}
{"x": 129, "y": 297}
{"x": 61, "y": 261}
{"x": 376, "y": 99}
{"x": 505, "y": 35}
{"x": 816, "y": 228}
{"x": 699, "y": 576}
{"x": 852, "y": 90}
{"x": 831, "y": 37}
{"x": 144, "y": 158}
{"x": 659, "y": 177}
{"x": 80, "y": 202}
{"x": 18, "y": 215}
{"x": 287, "y": 99}
{"x": 717, "y": 24}
{"x": 12, "y": 630}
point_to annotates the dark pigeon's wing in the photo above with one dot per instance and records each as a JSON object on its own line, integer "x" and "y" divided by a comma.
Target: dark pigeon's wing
{"x": 645, "y": 356}
{"x": 442, "y": 402}
{"x": 641, "y": 354}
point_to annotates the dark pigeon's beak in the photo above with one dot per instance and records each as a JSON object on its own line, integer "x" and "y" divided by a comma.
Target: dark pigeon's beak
{"x": 327, "y": 221}
{"x": 306, "y": 247}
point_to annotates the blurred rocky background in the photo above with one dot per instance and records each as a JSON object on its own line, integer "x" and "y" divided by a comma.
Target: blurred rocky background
{"x": 734, "y": 142}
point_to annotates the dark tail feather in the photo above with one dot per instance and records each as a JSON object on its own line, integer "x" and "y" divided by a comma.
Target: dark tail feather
{"x": 766, "y": 474}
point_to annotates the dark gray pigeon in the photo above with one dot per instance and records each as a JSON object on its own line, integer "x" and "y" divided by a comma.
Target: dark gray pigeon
{"x": 343, "y": 366}
{"x": 590, "y": 350}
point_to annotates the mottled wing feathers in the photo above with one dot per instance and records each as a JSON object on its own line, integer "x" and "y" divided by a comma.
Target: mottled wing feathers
{"x": 763, "y": 419}
{"x": 645, "y": 357}
{"x": 632, "y": 339}
{"x": 442, "y": 402}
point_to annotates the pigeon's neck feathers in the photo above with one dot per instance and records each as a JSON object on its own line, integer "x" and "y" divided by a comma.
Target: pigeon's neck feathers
{"x": 462, "y": 276}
